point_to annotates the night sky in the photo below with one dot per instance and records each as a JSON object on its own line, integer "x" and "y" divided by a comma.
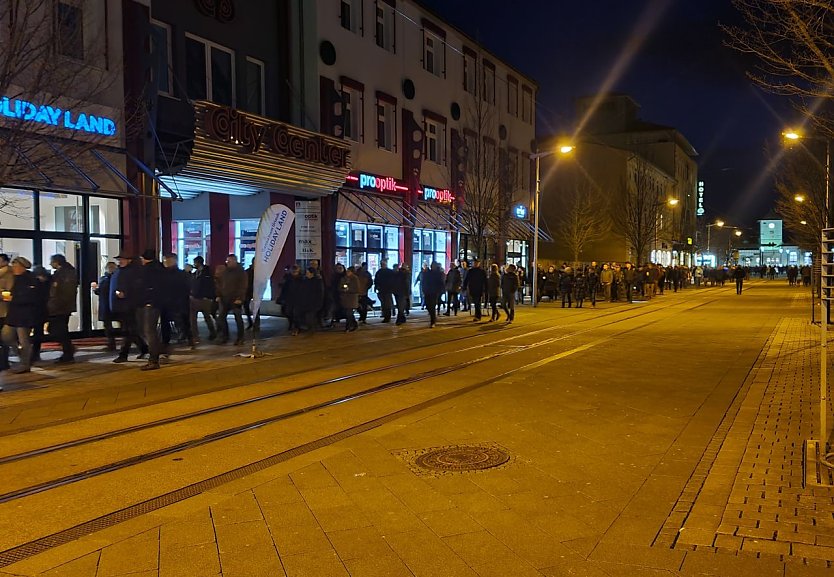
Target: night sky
{"x": 682, "y": 75}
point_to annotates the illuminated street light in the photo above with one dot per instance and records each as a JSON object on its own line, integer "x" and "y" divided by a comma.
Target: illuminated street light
{"x": 803, "y": 222}
{"x": 719, "y": 224}
{"x": 792, "y": 135}
{"x": 566, "y": 149}
{"x": 673, "y": 202}
{"x": 738, "y": 233}
{"x": 799, "y": 197}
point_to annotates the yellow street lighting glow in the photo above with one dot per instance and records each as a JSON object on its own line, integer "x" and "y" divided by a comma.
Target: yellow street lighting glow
{"x": 719, "y": 223}
{"x": 673, "y": 201}
{"x": 792, "y": 135}
{"x": 803, "y": 222}
{"x": 566, "y": 148}
{"x": 738, "y": 233}
{"x": 799, "y": 198}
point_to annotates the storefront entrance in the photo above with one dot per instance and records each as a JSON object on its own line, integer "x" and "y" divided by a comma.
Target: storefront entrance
{"x": 87, "y": 230}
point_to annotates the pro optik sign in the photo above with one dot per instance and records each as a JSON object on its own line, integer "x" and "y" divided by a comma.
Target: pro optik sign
{"x": 47, "y": 115}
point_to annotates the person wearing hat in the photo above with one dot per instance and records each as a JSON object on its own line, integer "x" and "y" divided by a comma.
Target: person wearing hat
{"x": 123, "y": 293}
{"x": 152, "y": 300}
{"x": 22, "y": 303}
{"x": 63, "y": 296}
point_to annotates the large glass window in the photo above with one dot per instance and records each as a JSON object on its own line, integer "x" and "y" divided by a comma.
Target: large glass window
{"x": 192, "y": 238}
{"x": 61, "y": 212}
{"x": 14, "y": 247}
{"x": 255, "y": 95}
{"x": 161, "y": 54}
{"x": 210, "y": 71}
{"x": 17, "y": 209}
{"x": 104, "y": 216}
{"x": 69, "y": 31}
{"x": 358, "y": 242}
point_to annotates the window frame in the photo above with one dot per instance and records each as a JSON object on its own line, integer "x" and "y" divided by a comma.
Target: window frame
{"x": 169, "y": 56}
{"x": 262, "y": 65}
{"x": 388, "y": 18}
{"x": 58, "y": 45}
{"x": 512, "y": 91}
{"x": 357, "y": 19}
{"x": 430, "y": 119}
{"x": 350, "y": 86}
{"x": 470, "y": 71}
{"x": 207, "y": 46}
{"x": 489, "y": 72}
{"x": 387, "y": 102}
{"x": 527, "y": 104}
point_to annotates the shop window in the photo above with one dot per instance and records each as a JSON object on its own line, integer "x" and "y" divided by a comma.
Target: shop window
{"x": 104, "y": 216}
{"x": 489, "y": 83}
{"x": 386, "y": 125}
{"x": 14, "y": 247}
{"x": 61, "y": 212}
{"x": 440, "y": 242}
{"x": 385, "y": 31}
{"x": 69, "y": 29}
{"x": 374, "y": 237}
{"x": 512, "y": 96}
{"x": 352, "y": 102}
{"x": 192, "y": 238}
{"x": 351, "y": 15}
{"x": 71, "y": 249}
{"x": 255, "y": 93}
{"x": 161, "y": 54}
{"x": 392, "y": 237}
{"x": 342, "y": 234}
{"x": 210, "y": 71}
{"x": 17, "y": 209}
{"x": 470, "y": 67}
{"x": 357, "y": 236}
{"x": 527, "y": 105}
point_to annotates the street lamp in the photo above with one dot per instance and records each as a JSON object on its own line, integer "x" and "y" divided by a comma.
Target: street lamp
{"x": 562, "y": 149}
{"x": 719, "y": 224}
{"x": 799, "y": 198}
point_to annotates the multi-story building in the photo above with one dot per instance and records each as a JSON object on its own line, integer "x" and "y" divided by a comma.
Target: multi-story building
{"x": 614, "y": 149}
{"x": 64, "y": 185}
{"x": 427, "y": 111}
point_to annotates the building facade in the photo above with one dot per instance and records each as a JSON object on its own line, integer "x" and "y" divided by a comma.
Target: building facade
{"x": 617, "y": 151}
{"x": 64, "y": 185}
{"x": 416, "y": 99}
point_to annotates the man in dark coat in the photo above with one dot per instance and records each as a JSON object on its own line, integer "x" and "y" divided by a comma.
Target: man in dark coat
{"x": 230, "y": 298}
{"x": 63, "y": 296}
{"x": 177, "y": 307}
{"x": 349, "y": 298}
{"x": 366, "y": 281}
{"x": 202, "y": 298}
{"x": 124, "y": 294}
{"x": 384, "y": 286}
{"x": 475, "y": 285}
{"x": 432, "y": 286}
{"x": 402, "y": 288}
{"x": 453, "y": 284}
{"x": 22, "y": 304}
{"x": 152, "y": 300}
{"x": 312, "y": 295}
{"x": 509, "y": 286}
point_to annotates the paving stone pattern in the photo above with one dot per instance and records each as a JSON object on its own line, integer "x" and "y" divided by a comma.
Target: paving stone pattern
{"x": 752, "y": 499}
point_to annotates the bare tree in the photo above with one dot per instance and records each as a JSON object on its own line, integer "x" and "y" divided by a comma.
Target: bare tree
{"x": 800, "y": 182}
{"x": 584, "y": 217}
{"x": 792, "y": 42}
{"x": 481, "y": 210}
{"x": 49, "y": 67}
{"x": 636, "y": 207}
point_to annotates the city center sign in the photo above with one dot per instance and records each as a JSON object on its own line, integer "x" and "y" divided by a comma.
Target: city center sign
{"x": 47, "y": 115}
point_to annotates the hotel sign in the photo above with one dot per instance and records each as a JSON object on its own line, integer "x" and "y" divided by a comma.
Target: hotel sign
{"x": 254, "y": 133}
{"x": 700, "y": 210}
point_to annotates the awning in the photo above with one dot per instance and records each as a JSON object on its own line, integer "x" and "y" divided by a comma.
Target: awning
{"x": 433, "y": 216}
{"x": 517, "y": 229}
{"x": 50, "y": 163}
{"x": 363, "y": 207}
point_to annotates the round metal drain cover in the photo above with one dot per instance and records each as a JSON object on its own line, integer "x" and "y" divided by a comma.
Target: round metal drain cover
{"x": 463, "y": 458}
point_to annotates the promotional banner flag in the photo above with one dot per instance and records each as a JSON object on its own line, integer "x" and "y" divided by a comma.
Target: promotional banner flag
{"x": 272, "y": 235}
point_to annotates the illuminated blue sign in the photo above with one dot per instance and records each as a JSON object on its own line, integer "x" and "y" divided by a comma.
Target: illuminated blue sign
{"x": 520, "y": 211}
{"x": 53, "y": 116}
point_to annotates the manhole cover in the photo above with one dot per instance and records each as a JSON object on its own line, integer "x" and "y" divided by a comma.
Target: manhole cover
{"x": 462, "y": 458}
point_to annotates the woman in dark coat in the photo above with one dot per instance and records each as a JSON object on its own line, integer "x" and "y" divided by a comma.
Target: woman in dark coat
{"x": 23, "y": 305}
{"x": 494, "y": 291}
{"x": 566, "y": 287}
{"x": 349, "y": 298}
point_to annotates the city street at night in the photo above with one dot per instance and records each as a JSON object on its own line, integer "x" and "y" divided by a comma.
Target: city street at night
{"x": 664, "y": 437}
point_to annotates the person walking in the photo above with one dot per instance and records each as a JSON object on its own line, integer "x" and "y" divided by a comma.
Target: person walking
{"x": 6, "y": 283}
{"x": 202, "y": 299}
{"x": 152, "y": 299}
{"x": 63, "y": 296}
{"x": 629, "y": 277}
{"x": 580, "y": 287}
{"x": 432, "y": 286}
{"x": 366, "y": 281}
{"x": 566, "y": 286}
{"x": 43, "y": 277}
{"x": 102, "y": 290}
{"x": 593, "y": 283}
{"x": 125, "y": 293}
{"x": 177, "y": 309}
{"x": 349, "y": 299}
{"x": 739, "y": 274}
{"x": 402, "y": 286}
{"x": 475, "y": 285}
{"x": 493, "y": 291}
{"x": 22, "y": 303}
{"x": 453, "y": 284}
{"x": 292, "y": 293}
{"x": 509, "y": 286}
{"x": 312, "y": 295}
{"x": 384, "y": 287}
{"x": 230, "y": 297}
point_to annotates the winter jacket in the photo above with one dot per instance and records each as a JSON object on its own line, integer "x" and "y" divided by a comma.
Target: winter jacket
{"x": 128, "y": 282}
{"x": 63, "y": 293}
{"x": 103, "y": 293}
{"x": 349, "y": 292}
{"x": 154, "y": 283}
{"x": 179, "y": 285}
{"x": 384, "y": 281}
{"x": 453, "y": 280}
{"x": 402, "y": 283}
{"x": 233, "y": 284}
{"x": 580, "y": 286}
{"x": 311, "y": 295}
{"x": 493, "y": 286}
{"x": 509, "y": 284}
{"x": 606, "y": 276}
{"x": 23, "y": 308}
{"x": 6, "y": 283}
{"x": 475, "y": 281}
{"x": 202, "y": 284}
{"x": 432, "y": 282}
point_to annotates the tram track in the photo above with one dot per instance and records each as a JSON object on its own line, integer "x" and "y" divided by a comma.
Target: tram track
{"x": 260, "y": 423}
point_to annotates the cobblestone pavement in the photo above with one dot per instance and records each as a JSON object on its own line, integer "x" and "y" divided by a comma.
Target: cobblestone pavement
{"x": 641, "y": 448}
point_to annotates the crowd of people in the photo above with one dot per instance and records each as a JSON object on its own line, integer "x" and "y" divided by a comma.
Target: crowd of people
{"x": 154, "y": 303}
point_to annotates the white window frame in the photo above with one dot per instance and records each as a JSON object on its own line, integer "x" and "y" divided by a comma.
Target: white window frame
{"x": 389, "y": 30}
{"x": 208, "y": 45}
{"x": 357, "y": 12}
{"x": 512, "y": 96}
{"x": 435, "y": 132}
{"x": 434, "y": 46}
{"x": 389, "y": 120}
{"x": 470, "y": 73}
{"x": 356, "y": 107}
{"x": 262, "y": 65}
{"x": 168, "y": 57}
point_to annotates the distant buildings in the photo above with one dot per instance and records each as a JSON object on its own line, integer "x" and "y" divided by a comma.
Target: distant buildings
{"x": 644, "y": 174}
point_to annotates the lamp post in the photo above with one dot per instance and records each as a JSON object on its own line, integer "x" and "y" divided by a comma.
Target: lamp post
{"x": 719, "y": 224}
{"x": 564, "y": 149}
{"x": 796, "y": 136}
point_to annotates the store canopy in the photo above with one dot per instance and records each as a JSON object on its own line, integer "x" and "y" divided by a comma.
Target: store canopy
{"x": 517, "y": 229}
{"x": 434, "y": 216}
{"x": 363, "y": 207}
{"x": 71, "y": 166}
